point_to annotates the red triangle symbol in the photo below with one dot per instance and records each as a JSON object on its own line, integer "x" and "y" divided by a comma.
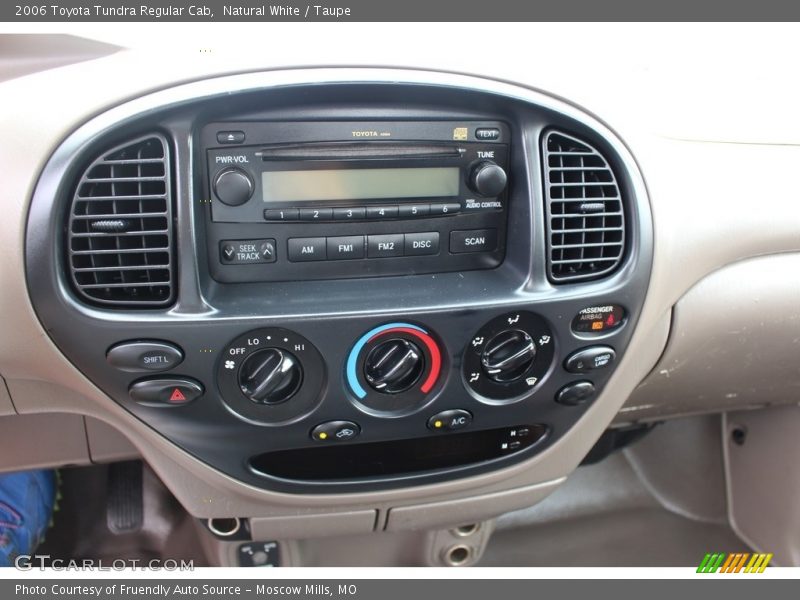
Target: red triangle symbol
{"x": 177, "y": 396}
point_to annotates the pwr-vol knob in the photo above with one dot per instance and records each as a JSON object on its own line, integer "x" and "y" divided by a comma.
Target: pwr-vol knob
{"x": 393, "y": 366}
{"x": 508, "y": 355}
{"x": 233, "y": 187}
{"x": 270, "y": 376}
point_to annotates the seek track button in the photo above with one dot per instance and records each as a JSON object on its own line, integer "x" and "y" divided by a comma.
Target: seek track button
{"x": 245, "y": 252}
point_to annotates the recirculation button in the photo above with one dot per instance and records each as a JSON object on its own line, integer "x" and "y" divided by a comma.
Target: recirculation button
{"x": 335, "y": 431}
{"x": 140, "y": 356}
{"x": 165, "y": 392}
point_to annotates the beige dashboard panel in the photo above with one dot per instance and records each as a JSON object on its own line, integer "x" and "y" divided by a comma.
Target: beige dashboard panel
{"x": 764, "y": 481}
{"x": 734, "y": 342}
{"x": 6, "y": 407}
{"x": 43, "y": 440}
{"x": 107, "y": 444}
{"x": 313, "y": 525}
{"x": 467, "y": 510}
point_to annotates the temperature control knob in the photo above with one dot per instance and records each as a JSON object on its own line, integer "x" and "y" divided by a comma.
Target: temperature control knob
{"x": 488, "y": 179}
{"x": 233, "y": 187}
{"x": 394, "y": 366}
{"x": 270, "y": 376}
{"x": 508, "y": 355}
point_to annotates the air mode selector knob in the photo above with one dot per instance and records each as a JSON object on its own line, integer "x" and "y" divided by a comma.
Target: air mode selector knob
{"x": 233, "y": 187}
{"x": 488, "y": 179}
{"x": 508, "y": 355}
{"x": 270, "y": 376}
{"x": 394, "y": 366}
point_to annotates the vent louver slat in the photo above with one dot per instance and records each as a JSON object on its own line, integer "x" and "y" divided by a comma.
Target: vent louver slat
{"x": 585, "y": 213}
{"x": 119, "y": 239}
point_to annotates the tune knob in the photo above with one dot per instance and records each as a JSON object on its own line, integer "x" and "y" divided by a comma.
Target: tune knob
{"x": 488, "y": 179}
{"x": 270, "y": 376}
{"x": 394, "y": 366}
{"x": 508, "y": 355}
{"x": 233, "y": 187}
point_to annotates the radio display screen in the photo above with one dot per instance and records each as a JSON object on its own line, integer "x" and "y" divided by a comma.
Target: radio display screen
{"x": 359, "y": 184}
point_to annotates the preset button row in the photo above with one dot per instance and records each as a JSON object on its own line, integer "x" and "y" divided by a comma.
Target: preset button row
{"x": 358, "y": 246}
{"x": 361, "y": 213}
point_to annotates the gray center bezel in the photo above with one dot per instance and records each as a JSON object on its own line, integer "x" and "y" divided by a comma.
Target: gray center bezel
{"x": 84, "y": 332}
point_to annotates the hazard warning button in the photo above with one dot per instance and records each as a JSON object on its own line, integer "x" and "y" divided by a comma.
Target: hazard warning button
{"x": 165, "y": 392}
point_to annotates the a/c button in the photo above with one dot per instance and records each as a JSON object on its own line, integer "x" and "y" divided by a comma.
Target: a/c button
{"x": 450, "y": 420}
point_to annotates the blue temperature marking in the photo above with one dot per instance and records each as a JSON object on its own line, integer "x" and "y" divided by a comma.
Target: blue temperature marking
{"x": 352, "y": 379}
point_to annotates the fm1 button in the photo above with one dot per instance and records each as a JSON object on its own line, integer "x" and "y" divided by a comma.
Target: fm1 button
{"x": 450, "y": 420}
{"x": 166, "y": 392}
{"x": 335, "y": 431}
{"x": 144, "y": 356}
{"x": 576, "y": 393}
{"x": 590, "y": 359}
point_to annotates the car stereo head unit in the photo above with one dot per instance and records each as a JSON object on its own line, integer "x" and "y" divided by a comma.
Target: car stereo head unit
{"x": 291, "y": 200}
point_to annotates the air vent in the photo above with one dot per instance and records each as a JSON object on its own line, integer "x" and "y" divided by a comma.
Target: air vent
{"x": 120, "y": 227}
{"x": 585, "y": 218}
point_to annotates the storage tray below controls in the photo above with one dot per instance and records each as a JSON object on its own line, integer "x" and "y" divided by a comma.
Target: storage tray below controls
{"x": 379, "y": 460}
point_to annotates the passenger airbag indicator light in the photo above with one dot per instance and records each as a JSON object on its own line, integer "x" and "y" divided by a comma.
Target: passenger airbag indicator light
{"x": 599, "y": 319}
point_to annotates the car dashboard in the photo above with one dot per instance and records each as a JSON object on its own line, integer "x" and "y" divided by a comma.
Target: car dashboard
{"x": 362, "y": 299}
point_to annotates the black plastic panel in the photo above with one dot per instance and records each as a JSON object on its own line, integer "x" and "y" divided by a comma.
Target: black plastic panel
{"x": 380, "y": 460}
{"x": 333, "y": 314}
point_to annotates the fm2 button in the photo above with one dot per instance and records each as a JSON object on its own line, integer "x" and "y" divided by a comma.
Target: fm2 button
{"x": 142, "y": 356}
{"x": 450, "y": 420}
{"x": 335, "y": 431}
{"x": 590, "y": 359}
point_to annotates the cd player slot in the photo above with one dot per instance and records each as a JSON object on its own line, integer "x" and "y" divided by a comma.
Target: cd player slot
{"x": 358, "y": 150}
